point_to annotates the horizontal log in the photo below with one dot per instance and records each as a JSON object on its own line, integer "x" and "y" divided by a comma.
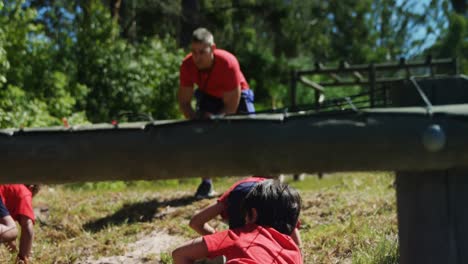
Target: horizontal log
{"x": 312, "y": 84}
{"x": 377, "y": 139}
{"x": 321, "y": 69}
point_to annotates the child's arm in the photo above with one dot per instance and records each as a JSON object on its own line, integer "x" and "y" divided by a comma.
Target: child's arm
{"x": 8, "y": 230}
{"x": 27, "y": 236}
{"x": 190, "y": 251}
{"x": 296, "y": 237}
{"x": 199, "y": 221}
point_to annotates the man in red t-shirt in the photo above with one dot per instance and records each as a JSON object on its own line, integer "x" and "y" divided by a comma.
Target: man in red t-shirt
{"x": 18, "y": 200}
{"x": 221, "y": 86}
{"x": 271, "y": 210}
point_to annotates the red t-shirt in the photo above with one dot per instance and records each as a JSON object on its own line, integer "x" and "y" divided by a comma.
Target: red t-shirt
{"x": 253, "y": 243}
{"x": 224, "y": 76}
{"x": 18, "y": 200}
{"x": 241, "y": 261}
{"x": 223, "y": 199}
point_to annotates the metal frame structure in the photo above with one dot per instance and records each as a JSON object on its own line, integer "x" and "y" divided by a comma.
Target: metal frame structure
{"x": 370, "y": 76}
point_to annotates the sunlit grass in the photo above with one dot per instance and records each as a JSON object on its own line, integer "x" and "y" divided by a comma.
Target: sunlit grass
{"x": 346, "y": 218}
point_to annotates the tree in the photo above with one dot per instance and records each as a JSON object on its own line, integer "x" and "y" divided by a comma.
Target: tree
{"x": 452, "y": 42}
{"x": 32, "y": 91}
{"x": 100, "y": 58}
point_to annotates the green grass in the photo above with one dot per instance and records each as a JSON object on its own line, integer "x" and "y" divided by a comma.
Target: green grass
{"x": 346, "y": 218}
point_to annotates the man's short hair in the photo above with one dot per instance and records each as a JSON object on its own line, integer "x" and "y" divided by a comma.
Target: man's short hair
{"x": 278, "y": 205}
{"x": 203, "y": 35}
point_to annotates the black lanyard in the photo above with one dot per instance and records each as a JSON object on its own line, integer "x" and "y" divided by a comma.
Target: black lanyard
{"x": 204, "y": 85}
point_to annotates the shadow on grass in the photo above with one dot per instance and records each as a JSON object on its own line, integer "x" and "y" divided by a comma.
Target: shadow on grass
{"x": 138, "y": 212}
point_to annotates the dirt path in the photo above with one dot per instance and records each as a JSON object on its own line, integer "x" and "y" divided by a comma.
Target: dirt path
{"x": 145, "y": 250}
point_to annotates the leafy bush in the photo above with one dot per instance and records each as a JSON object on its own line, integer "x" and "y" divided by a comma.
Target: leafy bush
{"x": 87, "y": 73}
{"x": 122, "y": 76}
{"x": 18, "y": 110}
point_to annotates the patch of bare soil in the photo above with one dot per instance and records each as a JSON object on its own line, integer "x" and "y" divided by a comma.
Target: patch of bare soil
{"x": 145, "y": 250}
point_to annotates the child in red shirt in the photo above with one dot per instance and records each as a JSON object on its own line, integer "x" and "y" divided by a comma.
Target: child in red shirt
{"x": 271, "y": 211}
{"x": 228, "y": 206}
{"x": 18, "y": 200}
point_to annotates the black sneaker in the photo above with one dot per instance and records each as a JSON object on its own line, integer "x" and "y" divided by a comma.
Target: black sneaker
{"x": 205, "y": 190}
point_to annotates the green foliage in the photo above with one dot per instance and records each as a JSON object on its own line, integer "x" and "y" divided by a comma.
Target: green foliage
{"x": 33, "y": 92}
{"x": 136, "y": 79}
{"x": 267, "y": 35}
{"x": 16, "y": 28}
{"x": 453, "y": 43}
{"x": 262, "y": 63}
{"x": 139, "y": 78}
{"x": 92, "y": 61}
{"x": 18, "y": 110}
{"x": 73, "y": 64}
{"x": 4, "y": 64}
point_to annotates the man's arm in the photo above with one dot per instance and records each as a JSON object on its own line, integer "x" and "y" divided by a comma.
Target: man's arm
{"x": 184, "y": 97}
{"x": 231, "y": 101}
{"x": 27, "y": 236}
{"x": 190, "y": 251}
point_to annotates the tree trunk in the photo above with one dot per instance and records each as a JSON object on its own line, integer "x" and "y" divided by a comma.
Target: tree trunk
{"x": 189, "y": 21}
{"x": 115, "y": 9}
{"x": 459, "y": 6}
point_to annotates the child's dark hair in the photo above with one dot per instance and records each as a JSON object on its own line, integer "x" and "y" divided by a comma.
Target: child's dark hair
{"x": 34, "y": 188}
{"x": 278, "y": 205}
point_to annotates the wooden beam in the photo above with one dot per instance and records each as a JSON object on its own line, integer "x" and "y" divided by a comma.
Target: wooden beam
{"x": 379, "y": 139}
{"x": 312, "y": 84}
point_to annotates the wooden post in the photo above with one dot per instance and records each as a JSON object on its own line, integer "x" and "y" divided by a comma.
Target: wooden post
{"x": 432, "y": 211}
{"x": 317, "y": 100}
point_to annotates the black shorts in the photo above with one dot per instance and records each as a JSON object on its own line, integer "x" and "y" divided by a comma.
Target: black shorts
{"x": 3, "y": 210}
{"x": 211, "y": 104}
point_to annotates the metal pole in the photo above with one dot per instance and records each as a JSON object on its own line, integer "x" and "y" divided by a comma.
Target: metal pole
{"x": 372, "y": 78}
{"x": 293, "y": 91}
